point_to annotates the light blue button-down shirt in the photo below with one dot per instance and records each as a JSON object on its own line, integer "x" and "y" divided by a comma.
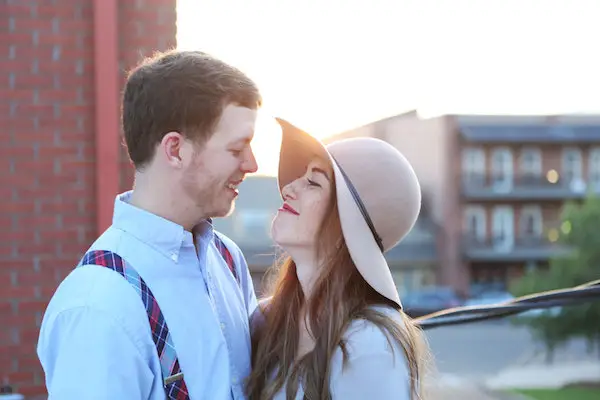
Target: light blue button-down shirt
{"x": 95, "y": 341}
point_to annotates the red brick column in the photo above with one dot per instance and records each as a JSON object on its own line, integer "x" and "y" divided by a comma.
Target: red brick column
{"x": 48, "y": 142}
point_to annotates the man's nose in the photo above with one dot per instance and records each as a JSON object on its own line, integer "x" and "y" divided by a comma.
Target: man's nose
{"x": 250, "y": 165}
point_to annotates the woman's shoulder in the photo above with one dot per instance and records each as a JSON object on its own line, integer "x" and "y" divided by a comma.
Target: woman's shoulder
{"x": 365, "y": 336}
{"x": 374, "y": 364}
{"x": 257, "y": 318}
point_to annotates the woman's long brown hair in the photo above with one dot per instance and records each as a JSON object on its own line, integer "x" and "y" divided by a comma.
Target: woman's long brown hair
{"x": 340, "y": 295}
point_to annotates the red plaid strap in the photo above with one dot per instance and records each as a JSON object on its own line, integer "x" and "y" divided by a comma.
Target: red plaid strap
{"x": 226, "y": 254}
{"x": 173, "y": 383}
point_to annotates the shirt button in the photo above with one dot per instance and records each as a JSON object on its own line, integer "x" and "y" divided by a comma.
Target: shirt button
{"x": 234, "y": 380}
{"x": 174, "y": 257}
{"x": 222, "y": 326}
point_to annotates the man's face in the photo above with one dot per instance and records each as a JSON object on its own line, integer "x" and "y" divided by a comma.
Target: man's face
{"x": 214, "y": 169}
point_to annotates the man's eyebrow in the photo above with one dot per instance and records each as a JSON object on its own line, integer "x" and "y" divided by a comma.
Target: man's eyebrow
{"x": 322, "y": 171}
{"x": 244, "y": 140}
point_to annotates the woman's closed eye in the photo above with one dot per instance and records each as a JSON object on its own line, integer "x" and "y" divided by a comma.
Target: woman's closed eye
{"x": 312, "y": 183}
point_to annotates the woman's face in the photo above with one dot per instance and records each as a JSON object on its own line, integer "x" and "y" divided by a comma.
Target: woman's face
{"x": 305, "y": 202}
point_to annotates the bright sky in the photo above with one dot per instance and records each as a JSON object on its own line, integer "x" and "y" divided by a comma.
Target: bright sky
{"x": 332, "y": 65}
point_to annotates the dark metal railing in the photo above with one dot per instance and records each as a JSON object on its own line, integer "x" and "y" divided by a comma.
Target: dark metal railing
{"x": 563, "y": 297}
{"x": 520, "y": 240}
{"x": 491, "y": 180}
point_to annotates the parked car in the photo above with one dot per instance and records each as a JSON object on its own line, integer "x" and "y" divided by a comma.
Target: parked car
{"x": 429, "y": 300}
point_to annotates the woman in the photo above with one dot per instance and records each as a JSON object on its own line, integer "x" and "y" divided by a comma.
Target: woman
{"x": 333, "y": 325}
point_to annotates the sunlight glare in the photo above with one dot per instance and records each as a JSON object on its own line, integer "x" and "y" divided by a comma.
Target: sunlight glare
{"x": 266, "y": 143}
{"x": 333, "y": 66}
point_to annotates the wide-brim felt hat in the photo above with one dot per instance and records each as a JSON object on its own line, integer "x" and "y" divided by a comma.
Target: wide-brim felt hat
{"x": 378, "y": 196}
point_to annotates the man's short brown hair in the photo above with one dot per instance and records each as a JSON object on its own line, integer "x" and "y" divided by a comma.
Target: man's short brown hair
{"x": 181, "y": 91}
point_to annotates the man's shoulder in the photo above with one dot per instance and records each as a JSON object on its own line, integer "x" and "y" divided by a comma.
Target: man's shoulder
{"x": 97, "y": 289}
{"x": 88, "y": 284}
{"x": 108, "y": 240}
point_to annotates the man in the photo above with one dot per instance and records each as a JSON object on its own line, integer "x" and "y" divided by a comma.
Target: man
{"x": 188, "y": 120}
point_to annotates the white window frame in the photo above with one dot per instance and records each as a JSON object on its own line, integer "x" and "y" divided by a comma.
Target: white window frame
{"x": 594, "y": 168}
{"x": 576, "y": 180}
{"x": 473, "y": 165}
{"x": 506, "y": 170}
{"x": 535, "y": 168}
{"x": 535, "y": 212}
{"x": 500, "y": 215}
{"x": 477, "y": 213}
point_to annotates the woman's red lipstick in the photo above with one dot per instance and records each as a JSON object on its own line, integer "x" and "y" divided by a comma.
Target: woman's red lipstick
{"x": 286, "y": 207}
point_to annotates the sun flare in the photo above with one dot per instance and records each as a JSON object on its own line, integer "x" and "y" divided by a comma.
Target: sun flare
{"x": 332, "y": 66}
{"x": 266, "y": 143}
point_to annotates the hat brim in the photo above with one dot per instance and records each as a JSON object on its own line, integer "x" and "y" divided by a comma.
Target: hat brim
{"x": 298, "y": 149}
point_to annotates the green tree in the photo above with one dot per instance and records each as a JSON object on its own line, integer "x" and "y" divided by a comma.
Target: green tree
{"x": 579, "y": 236}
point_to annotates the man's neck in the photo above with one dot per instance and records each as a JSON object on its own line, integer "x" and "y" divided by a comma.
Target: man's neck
{"x": 160, "y": 200}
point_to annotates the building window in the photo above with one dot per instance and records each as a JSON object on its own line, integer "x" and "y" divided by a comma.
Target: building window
{"x": 413, "y": 279}
{"x": 474, "y": 223}
{"x": 530, "y": 223}
{"x": 502, "y": 169}
{"x": 572, "y": 173}
{"x": 473, "y": 166}
{"x": 503, "y": 228}
{"x": 530, "y": 165}
{"x": 594, "y": 168}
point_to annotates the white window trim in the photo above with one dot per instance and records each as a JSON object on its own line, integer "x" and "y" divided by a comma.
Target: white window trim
{"x": 478, "y": 213}
{"x": 536, "y": 212}
{"x": 509, "y": 242}
{"x": 536, "y": 169}
{"x": 474, "y": 164}
{"x": 578, "y": 173}
{"x": 507, "y": 166}
{"x": 594, "y": 167}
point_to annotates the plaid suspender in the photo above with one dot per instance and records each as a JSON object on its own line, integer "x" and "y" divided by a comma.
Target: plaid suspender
{"x": 227, "y": 257}
{"x": 173, "y": 382}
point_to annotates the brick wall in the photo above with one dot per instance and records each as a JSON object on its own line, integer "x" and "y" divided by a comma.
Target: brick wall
{"x": 47, "y": 155}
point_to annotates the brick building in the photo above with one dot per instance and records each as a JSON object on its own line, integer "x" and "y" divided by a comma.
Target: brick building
{"x": 515, "y": 176}
{"x": 61, "y": 162}
{"x": 495, "y": 186}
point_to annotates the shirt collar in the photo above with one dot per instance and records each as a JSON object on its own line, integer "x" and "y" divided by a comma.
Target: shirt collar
{"x": 167, "y": 237}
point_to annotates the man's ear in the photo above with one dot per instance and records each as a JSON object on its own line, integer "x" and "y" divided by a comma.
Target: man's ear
{"x": 171, "y": 149}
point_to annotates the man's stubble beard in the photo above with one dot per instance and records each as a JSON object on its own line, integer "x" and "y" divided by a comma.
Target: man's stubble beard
{"x": 208, "y": 197}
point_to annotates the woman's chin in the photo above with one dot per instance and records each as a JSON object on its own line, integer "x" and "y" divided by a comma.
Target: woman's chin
{"x": 280, "y": 240}
{"x": 278, "y": 232}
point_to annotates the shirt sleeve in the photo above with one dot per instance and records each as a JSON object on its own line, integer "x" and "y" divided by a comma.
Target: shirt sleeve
{"x": 380, "y": 375}
{"x": 86, "y": 354}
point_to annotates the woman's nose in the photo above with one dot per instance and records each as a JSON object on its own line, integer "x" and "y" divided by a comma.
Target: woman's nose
{"x": 289, "y": 191}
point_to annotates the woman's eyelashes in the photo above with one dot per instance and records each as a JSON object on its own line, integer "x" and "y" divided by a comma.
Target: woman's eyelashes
{"x": 312, "y": 183}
